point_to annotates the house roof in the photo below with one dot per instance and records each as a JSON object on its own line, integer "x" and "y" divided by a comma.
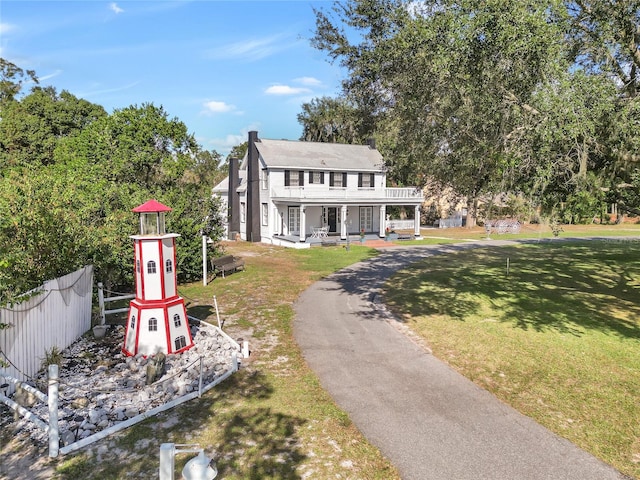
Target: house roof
{"x": 319, "y": 156}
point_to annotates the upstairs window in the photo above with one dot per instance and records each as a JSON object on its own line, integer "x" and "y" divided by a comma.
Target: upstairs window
{"x": 337, "y": 179}
{"x": 264, "y": 179}
{"x": 293, "y": 178}
{"x": 177, "y": 321}
{"x": 316, "y": 178}
{"x": 366, "y": 180}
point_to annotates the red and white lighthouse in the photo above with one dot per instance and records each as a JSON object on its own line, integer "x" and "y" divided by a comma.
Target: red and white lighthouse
{"x": 157, "y": 319}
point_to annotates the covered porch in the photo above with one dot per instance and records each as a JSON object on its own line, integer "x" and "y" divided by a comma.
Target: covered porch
{"x": 315, "y": 223}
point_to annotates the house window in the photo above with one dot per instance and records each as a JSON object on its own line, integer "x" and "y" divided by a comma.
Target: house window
{"x": 294, "y": 220}
{"x": 265, "y": 214}
{"x": 243, "y": 213}
{"x": 264, "y": 179}
{"x": 168, "y": 266}
{"x": 151, "y": 266}
{"x": 366, "y": 180}
{"x": 293, "y": 178}
{"x": 132, "y": 325}
{"x": 177, "y": 321}
{"x": 316, "y": 178}
{"x": 153, "y": 324}
{"x": 337, "y": 179}
{"x": 138, "y": 266}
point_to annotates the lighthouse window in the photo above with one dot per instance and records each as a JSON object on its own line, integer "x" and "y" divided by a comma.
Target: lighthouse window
{"x": 133, "y": 322}
{"x": 153, "y": 324}
{"x": 169, "y": 266}
{"x": 151, "y": 266}
{"x": 177, "y": 321}
{"x": 181, "y": 342}
{"x": 138, "y": 266}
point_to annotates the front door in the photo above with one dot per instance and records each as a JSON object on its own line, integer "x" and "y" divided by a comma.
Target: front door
{"x": 332, "y": 219}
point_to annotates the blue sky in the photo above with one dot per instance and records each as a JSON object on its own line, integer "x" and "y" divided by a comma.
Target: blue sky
{"x": 221, "y": 67}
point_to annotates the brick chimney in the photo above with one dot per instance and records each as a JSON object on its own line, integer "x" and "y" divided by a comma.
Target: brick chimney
{"x": 253, "y": 190}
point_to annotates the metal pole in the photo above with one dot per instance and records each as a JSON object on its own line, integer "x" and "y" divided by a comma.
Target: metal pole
{"x": 54, "y": 437}
{"x": 200, "y": 383}
{"x": 204, "y": 260}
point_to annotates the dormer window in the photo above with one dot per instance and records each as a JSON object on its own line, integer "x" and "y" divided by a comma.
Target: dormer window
{"x": 293, "y": 178}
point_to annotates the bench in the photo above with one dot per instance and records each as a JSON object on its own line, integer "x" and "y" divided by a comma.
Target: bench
{"x": 226, "y": 263}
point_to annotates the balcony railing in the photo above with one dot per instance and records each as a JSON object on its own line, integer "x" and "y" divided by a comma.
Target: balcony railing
{"x": 322, "y": 193}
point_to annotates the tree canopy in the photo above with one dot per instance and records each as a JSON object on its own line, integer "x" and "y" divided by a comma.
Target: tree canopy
{"x": 70, "y": 174}
{"x": 532, "y": 98}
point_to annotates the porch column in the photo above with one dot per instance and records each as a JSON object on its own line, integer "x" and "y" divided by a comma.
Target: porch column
{"x": 303, "y": 222}
{"x": 416, "y": 221}
{"x": 343, "y": 222}
{"x": 383, "y": 220}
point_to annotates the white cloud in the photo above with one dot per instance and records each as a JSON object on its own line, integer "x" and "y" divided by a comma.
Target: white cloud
{"x": 250, "y": 49}
{"x": 51, "y": 75}
{"x": 309, "y": 81}
{"x": 6, "y": 28}
{"x": 286, "y": 90}
{"x": 113, "y": 6}
{"x": 213, "y": 107}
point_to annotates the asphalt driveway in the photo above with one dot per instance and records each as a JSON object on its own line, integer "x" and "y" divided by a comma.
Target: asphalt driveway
{"x": 431, "y": 422}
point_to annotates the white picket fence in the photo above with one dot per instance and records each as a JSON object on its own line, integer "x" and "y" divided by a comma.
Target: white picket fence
{"x": 56, "y": 315}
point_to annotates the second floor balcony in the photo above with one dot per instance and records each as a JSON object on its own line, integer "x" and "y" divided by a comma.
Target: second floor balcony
{"x": 323, "y": 194}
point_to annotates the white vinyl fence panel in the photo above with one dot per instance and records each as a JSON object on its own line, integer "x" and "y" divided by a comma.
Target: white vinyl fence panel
{"x": 56, "y": 316}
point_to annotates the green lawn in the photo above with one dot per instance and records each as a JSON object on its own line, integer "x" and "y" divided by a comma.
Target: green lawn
{"x": 557, "y": 337}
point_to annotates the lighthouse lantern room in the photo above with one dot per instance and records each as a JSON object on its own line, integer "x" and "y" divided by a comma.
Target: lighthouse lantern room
{"x": 157, "y": 320}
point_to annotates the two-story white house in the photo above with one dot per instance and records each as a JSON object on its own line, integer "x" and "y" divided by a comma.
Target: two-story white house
{"x": 288, "y": 192}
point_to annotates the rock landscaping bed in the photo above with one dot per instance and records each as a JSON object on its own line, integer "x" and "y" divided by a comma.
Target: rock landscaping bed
{"x": 101, "y": 387}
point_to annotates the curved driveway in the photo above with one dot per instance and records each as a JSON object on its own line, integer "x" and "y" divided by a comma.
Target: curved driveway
{"x": 428, "y": 420}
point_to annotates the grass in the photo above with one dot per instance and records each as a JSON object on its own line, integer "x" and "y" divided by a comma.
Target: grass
{"x": 270, "y": 420}
{"x": 273, "y": 419}
{"x": 558, "y": 337}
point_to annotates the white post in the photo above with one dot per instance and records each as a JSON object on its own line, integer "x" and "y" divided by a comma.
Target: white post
{"x": 383, "y": 221}
{"x": 167, "y": 461}
{"x": 303, "y": 223}
{"x": 416, "y": 221}
{"x": 101, "y": 302}
{"x": 215, "y": 304}
{"x": 54, "y": 437}
{"x": 245, "y": 349}
{"x": 343, "y": 223}
{"x": 204, "y": 260}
